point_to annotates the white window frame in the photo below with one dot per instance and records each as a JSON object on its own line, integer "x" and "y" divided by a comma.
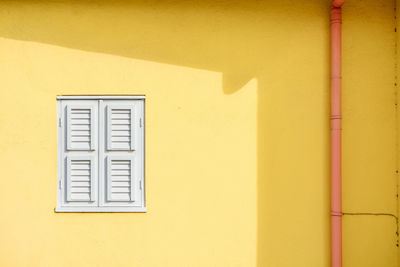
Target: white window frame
{"x": 100, "y": 147}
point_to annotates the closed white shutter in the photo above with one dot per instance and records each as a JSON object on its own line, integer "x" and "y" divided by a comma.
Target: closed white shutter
{"x": 101, "y": 154}
{"x": 122, "y": 177}
{"x": 79, "y": 153}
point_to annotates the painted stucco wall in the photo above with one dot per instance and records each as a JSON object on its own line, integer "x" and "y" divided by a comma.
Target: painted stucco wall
{"x": 237, "y": 147}
{"x": 369, "y": 134}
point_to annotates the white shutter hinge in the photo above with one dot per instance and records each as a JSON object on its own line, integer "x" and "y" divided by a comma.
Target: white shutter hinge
{"x": 140, "y": 122}
{"x": 59, "y": 184}
{"x": 140, "y": 185}
{"x": 59, "y": 122}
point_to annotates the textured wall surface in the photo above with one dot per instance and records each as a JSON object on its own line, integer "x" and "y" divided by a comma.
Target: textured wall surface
{"x": 237, "y": 131}
{"x": 369, "y": 134}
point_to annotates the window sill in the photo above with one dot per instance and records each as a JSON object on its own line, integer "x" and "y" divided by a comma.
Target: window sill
{"x": 100, "y": 209}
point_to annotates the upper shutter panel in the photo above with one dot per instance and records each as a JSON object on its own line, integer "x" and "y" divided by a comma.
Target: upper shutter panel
{"x": 80, "y": 178}
{"x": 120, "y": 127}
{"x": 81, "y": 127}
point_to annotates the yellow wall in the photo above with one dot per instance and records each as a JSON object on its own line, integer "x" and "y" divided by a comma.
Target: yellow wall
{"x": 237, "y": 147}
{"x": 369, "y": 133}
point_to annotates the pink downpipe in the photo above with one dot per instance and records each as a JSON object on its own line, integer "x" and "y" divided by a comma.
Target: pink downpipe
{"x": 336, "y": 134}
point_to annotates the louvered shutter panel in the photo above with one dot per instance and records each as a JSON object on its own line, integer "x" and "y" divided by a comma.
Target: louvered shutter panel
{"x": 80, "y": 152}
{"x": 120, "y": 179}
{"x": 81, "y": 127}
{"x": 80, "y": 177}
{"x": 120, "y": 127}
{"x": 123, "y": 173}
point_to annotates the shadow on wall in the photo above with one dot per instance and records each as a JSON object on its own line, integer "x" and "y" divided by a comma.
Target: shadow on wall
{"x": 283, "y": 44}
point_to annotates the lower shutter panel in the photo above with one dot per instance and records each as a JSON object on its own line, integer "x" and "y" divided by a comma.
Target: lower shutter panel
{"x": 80, "y": 175}
{"x": 120, "y": 179}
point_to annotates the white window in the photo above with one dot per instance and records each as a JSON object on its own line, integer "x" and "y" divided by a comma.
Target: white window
{"x": 100, "y": 154}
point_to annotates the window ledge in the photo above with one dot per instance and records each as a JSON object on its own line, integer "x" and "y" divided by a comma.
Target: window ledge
{"x": 100, "y": 209}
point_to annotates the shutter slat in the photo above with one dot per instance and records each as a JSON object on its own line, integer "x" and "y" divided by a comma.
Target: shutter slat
{"x": 120, "y": 146}
{"x": 80, "y": 139}
{"x": 121, "y": 116}
{"x": 84, "y": 122}
{"x": 80, "y": 167}
{"x": 80, "y": 197}
{"x": 80, "y": 111}
{"x": 80, "y": 174}
{"x": 80, "y": 183}
{"x": 121, "y": 122}
{"x": 121, "y": 127}
{"x": 120, "y": 138}
{"x": 117, "y": 133}
{"x": 120, "y": 167}
{"x": 81, "y": 189}
{"x": 80, "y": 133}
{"x": 79, "y": 179}
{"x": 121, "y": 189}
{"x": 80, "y": 128}
{"x": 121, "y": 183}
{"x": 80, "y": 116}
{"x": 121, "y": 178}
{"x": 121, "y": 172}
{"x": 121, "y": 196}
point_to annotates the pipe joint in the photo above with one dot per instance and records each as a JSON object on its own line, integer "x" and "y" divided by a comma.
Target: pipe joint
{"x": 336, "y": 117}
{"x": 336, "y": 213}
{"x": 336, "y": 15}
{"x": 336, "y": 19}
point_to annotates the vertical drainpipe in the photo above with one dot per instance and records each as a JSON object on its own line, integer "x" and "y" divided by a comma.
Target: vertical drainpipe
{"x": 336, "y": 134}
